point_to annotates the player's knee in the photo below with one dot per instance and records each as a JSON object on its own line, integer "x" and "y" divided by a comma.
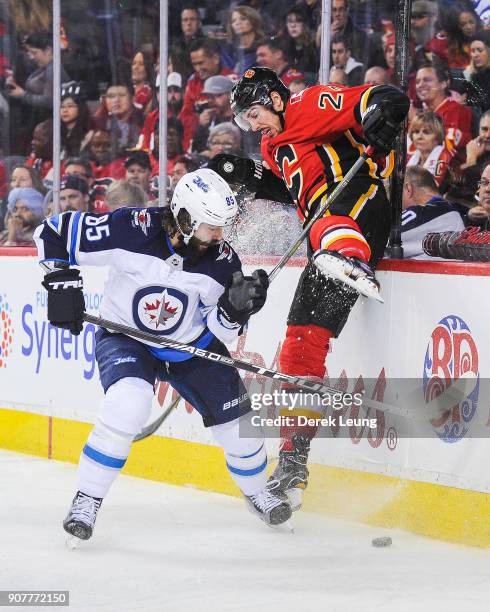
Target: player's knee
{"x": 127, "y": 405}
{"x": 342, "y": 234}
{"x": 239, "y": 438}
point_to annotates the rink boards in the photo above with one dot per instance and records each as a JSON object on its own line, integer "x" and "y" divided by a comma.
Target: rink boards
{"x": 431, "y": 478}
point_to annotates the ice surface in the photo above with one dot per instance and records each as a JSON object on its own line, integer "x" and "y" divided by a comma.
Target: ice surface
{"x": 158, "y": 547}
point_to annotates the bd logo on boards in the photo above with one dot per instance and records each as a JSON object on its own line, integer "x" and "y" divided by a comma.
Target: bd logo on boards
{"x": 451, "y": 353}
{"x": 6, "y": 330}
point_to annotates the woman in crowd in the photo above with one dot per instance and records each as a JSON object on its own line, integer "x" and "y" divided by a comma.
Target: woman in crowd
{"x": 142, "y": 76}
{"x": 36, "y": 96}
{"x": 478, "y": 71}
{"x": 452, "y": 43}
{"x": 245, "y": 30}
{"x": 299, "y": 45}
{"x": 75, "y": 120}
{"x": 427, "y": 149}
{"x": 223, "y": 138}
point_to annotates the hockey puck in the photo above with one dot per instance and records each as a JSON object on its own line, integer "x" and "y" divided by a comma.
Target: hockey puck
{"x": 382, "y": 542}
{"x": 228, "y": 167}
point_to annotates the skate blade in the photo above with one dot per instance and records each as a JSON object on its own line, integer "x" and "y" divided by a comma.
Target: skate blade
{"x": 295, "y": 498}
{"x": 286, "y": 527}
{"x": 72, "y": 542}
{"x": 362, "y": 285}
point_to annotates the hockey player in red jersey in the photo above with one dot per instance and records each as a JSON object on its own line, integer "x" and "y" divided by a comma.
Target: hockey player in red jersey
{"x": 309, "y": 142}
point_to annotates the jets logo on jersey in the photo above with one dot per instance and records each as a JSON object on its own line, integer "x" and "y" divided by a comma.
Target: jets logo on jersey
{"x": 225, "y": 252}
{"x": 159, "y": 309}
{"x": 141, "y": 219}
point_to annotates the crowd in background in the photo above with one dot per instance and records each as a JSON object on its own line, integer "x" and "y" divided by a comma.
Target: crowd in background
{"x": 110, "y": 96}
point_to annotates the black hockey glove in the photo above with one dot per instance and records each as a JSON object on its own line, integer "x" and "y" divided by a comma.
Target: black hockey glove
{"x": 381, "y": 126}
{"x": 243, "y": 296}
{"x": 66, "y": 304}
{"x": 237, "y": 170}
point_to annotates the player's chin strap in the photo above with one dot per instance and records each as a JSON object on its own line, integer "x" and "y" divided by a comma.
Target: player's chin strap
{"x": 321, "y": 210}
{"x": 434, "y": 409}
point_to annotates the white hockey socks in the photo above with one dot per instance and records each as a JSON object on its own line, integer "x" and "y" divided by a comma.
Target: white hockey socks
{"x": 246, "y": 457}
{"x": 123, "y": 412}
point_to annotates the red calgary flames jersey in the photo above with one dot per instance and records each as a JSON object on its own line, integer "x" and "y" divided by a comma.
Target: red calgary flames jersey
{"x": 321, "y": 140}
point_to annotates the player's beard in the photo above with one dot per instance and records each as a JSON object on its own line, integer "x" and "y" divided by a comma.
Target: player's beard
{"x": 195, "y": 249}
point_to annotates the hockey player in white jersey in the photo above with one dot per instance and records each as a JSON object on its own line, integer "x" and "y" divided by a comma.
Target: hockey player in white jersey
{"x": 171, "y": 273}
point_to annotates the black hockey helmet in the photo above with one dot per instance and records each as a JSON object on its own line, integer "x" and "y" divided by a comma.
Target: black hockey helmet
{"x": 255, "y": 87}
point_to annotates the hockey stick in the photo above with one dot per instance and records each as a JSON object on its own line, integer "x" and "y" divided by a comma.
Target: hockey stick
{"x": 298, "y": 381}
{"x": 152, "y": 427}
{"x": 322, "y": 209}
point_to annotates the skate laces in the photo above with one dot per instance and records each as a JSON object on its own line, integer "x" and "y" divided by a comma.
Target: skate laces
{"x": 265, "y": 500}
{"x": 85, "y": 509}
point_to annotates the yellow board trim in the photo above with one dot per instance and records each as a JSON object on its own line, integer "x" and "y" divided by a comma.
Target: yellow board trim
{"x": 445, "y": 513}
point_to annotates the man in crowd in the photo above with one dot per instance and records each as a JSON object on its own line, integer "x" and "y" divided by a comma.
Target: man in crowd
{"x": 41, "y": 158}
{"x": 25, "y": 212}
{"x": 376, "y": 76}
{"x": 138, "y": 170}
{"x": 215, "y": 108}
{"x": 424, "y": 211}
{"x": 190, "y": 24}
{"x": 74, "y": 194}
{"x": 432, "y": 87}
{"x": 480, "y": 214}
{"x": 206, "y": 62}
{"x": 342, "y": 58}
{"x": 124, "y": 194}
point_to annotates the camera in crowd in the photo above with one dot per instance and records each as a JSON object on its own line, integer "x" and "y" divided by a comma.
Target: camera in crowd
{"x": 201, "y": 105}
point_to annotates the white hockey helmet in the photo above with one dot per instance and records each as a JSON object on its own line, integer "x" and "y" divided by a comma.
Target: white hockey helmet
{"x": 207, "y": 198}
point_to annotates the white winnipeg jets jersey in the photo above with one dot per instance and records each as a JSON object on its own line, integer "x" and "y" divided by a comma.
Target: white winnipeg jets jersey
{"x": 149, "y": 285}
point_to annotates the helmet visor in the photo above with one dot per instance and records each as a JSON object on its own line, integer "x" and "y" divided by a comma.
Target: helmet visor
{"x": 242, "y": 121}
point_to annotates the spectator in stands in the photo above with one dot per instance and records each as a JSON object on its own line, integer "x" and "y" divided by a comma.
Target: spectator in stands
{"x": 479, "y": 69}
{"x": 123, "y": 194}
{"x": 341, "y": 54}
{"x": 452, "y": 44}
{"x": 480, "y": 214}
{"x": 271, "y": 54}
{"x": 301, "y": 51}
{"x": 360, "y": 43}
{"x": 427, "y": 150}
{"x": 118, "y": 116}
{"x": 41, "y": 158}
{"x": 190, "y": 24}
{"x": 223, "y": 138}
{"x": 175, "y": 100}
{"x": 36, "y": 96}
{"x": 175, "y": 93}
{"x": 424, "y": 211}
{"x": 75, "y": 120}
{"x": 73, "y": 194}
{"x": 313, "y": 12}
{"x": 102, "y": 153}
{"x": 431, "y": 84}
{"x": 389, "y": 55}
{"x": 79, "y": 166}
{"x": 25, "y": 176}
{"x": 142, "y": 75}
{"x": 183, "y": 164}
{"x": 213, "y": 109}
{"x": 206, "y": 62}
{"x": 138, "y": 170}
{"x": 422, "y": 22}
{"x": 245, "y": 29}
{"x": 376, "y": 76}
{"x": 480, "y": 146}
{"x": 175, "y": 133}
{"x": 337, "y": 76}
{"x": 25, "y": 213}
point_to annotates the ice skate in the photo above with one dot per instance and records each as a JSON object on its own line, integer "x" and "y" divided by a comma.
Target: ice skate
{"x": 291, "y": 474}
{"x": 80, "y": 520}
{"x": 349, "y": 270}
{"x": 271, "y": 507}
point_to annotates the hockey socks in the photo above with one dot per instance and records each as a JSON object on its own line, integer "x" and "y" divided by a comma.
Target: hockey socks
{"x": 303, "y": 353}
